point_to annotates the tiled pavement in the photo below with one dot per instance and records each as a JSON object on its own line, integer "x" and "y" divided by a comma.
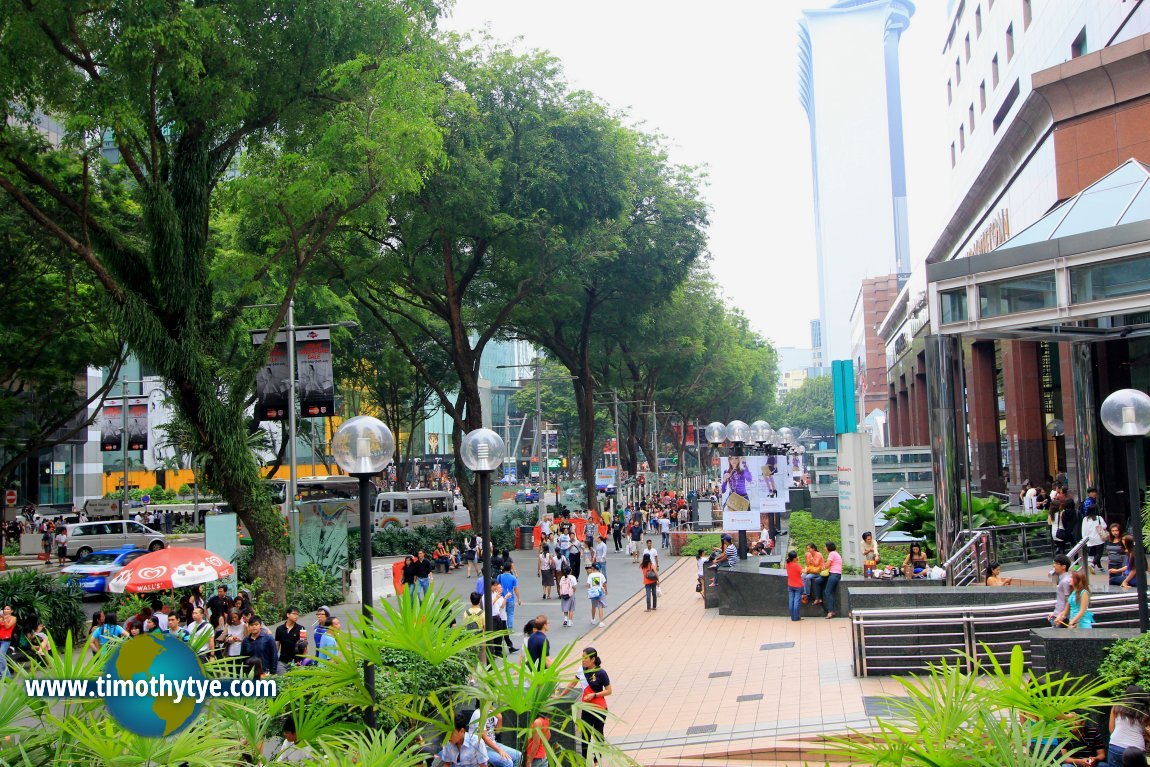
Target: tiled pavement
{"x": 692, "y": 687}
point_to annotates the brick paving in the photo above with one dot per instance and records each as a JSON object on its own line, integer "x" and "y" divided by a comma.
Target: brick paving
{"x": 692, "y": 687}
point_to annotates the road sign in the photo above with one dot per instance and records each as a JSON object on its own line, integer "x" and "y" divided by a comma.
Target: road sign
{"x": 554, "y": 463}
{"x": 9, "y": 497}
{"x": 146, "y": 500}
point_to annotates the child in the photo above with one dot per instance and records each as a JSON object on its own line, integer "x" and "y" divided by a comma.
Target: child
{"x": 567, "y": 585}
{"x": 597, "y": 593}
{"x": 536, "y": 753}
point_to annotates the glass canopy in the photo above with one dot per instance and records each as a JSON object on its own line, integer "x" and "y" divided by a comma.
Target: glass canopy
{"x": 1120, "y": 197}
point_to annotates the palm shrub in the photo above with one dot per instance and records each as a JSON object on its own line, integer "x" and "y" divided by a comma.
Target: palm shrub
{"x": 35, "y": 595}
{"x": 970, "y": 712}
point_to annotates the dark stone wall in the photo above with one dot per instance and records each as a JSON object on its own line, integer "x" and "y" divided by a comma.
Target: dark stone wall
{"x": 1077, "y": 653}
{"x": 825, "y": 508}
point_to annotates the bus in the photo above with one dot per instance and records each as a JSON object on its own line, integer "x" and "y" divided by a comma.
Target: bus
{"x": 411, "y": 508}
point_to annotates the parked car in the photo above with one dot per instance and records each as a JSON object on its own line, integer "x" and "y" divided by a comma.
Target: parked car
{"x": 527, "y": 495}
{"x": 86, "y": 537}
{"x": 91, "y": 572}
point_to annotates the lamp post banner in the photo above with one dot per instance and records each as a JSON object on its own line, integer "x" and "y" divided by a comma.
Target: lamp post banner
{"x": 272, "y": 382}
{"x": 137, "y": 423}
{"x": 316, "y": 379}
{"x": 110, "y": 424}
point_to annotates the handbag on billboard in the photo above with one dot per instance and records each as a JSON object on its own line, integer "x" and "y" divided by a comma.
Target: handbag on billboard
{"x": 736, "y": 502}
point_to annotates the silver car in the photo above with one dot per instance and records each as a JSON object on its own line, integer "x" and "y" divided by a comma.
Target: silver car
{"x": 86, "y": 537}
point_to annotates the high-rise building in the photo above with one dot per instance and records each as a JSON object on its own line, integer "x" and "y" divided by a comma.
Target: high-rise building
{"x": 854, "y": 109}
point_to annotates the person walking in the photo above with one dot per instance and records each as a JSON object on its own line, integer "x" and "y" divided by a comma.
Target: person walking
{"x": 538, "y": 650}
{"x": 636, "y": 532}
{"x": 567, "y": 586}
{"x": 291, "y": 640}
{"x": 617, "y": 533}
{"x": 835, "y": 574}
{"x": 601, "y": 555}
{"x": 1080, "y": 615}
{"x": 511, "y": 596}
{"x": 544, "y": 570}
{"x": 1094, "y": 535}
{"x": 650, "y": 569}
{"x": 665, "y": 530}
{"x": 794, "y": 584}
{"x": 597, "y": 594}
{"x": 422, "y": 568}
{"x": 1061, "y": 592}
{"x": 575, "y": 556}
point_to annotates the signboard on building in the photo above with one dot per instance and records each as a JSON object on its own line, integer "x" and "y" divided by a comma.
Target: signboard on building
{"x": 603, "y": 478}
{"x": 856, "y": 493}
{"x": 554, "y": 463}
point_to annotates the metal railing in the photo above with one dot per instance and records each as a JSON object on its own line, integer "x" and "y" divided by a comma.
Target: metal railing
{"x": 968, "y": 563}
{"x": 903, "y": 640}
{"x": 1020, "y": 542}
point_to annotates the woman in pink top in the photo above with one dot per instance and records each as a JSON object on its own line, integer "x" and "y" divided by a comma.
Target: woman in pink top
{"x": 831, "y": 585}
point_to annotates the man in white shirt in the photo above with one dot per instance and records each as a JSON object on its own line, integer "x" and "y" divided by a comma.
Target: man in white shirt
{"x": 665, "y": 529}
{"x": 498, "y": 755}
{"x": 199, "y": 628}
{"x": 652, "y": 551}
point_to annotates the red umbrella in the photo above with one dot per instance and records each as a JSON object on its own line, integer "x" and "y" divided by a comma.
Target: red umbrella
{"x": 170, "y": 568}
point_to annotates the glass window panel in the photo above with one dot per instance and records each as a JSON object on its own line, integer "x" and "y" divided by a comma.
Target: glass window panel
{"x": 920, "y": 476}
{"x": 1023, "y": 294}
{"x": 1040, "y": 230}
{"x": 1097, "y": 209}
{"x": 883, "y": 459}
{"x": 1116, "y": 279}
{"x": 890, "y": 477}
{"x": 1129, "y": 173}
{"x": 954, "y": 306}
{"x": 1139, "y": 210}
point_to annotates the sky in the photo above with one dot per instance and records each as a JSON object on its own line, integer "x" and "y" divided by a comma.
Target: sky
{"x": 720, "y": 82}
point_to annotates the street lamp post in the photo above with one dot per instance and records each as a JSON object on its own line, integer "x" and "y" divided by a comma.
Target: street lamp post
{"x": 482, "y": 451}
{"x": 1126, "y": 415}
{"x": 363, "y": 447}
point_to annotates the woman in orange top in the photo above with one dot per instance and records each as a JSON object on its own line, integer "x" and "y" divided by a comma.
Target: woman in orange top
{"x": 536, "y": 753}
{"x": 815, "y": 565}
{"x": 794, "y": 584}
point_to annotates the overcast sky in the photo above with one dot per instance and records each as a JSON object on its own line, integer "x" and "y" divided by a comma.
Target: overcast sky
{"x": 720, "y": 81}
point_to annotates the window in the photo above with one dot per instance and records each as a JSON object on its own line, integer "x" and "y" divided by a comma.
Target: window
{"x": 978, "y": 22}
{"x": 1078, "y": 47}
{"x": 1026, "y": 11}
{"x": 994, "y": 71}
{"x": 968, "y": 48}
{"x": 1020, "y": 294}
{"x": 920, "y": 476}
{"x": 961, "y": 137}
{"x": 958, "y": 71}
{"x": 916, "y": 458}
{"x": 1116, "y": 279}
{"x": 136, "y": 528}
{"x": 884, "y": 460}
{"x": 982, "y": 96}
{"x": 970, "y": 117}
{"x": 953, "y": 155}
{"x": 1007, "y": 103}
{"x": 826, "y": 460}
{"x": 1010, "y": 42}
{"x": 889, "y": 477}
{"x": 949, "y": 92}
{"x": 953, "y": 304}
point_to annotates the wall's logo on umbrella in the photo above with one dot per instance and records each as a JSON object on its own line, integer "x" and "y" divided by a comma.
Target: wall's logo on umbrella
{"x": 152, "y": 573}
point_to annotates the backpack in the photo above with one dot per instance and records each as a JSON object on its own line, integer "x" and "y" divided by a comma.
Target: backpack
{"x": 565, "y": 587}
{"x": 595, "y": 590}
{"x": 473, "y": 619}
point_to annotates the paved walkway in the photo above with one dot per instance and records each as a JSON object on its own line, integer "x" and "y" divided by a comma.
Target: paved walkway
{"x": 692, "y": 687}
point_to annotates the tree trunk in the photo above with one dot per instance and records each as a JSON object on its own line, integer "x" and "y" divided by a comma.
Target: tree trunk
{"x": 585, "y": 404}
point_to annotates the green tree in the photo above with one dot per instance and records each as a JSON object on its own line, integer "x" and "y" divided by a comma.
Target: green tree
{"x": 526, "y": 177}
{"x": 629, "y": 264}
{"x": 323, "y": 109}
{"x": 53, "y": 330}
{"x": 811, "y": 406}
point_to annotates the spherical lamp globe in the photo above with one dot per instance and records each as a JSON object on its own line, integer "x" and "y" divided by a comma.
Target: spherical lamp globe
{"x": 738, "y": 431}
{"x": 363, "y": 445}
{"x": 1126, "y": 413}
{"x": 716, "y": 433}
{"x": 482, "y": 450}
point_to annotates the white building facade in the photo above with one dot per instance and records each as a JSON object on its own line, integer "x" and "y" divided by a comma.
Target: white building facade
{"x": 854, "y": 109}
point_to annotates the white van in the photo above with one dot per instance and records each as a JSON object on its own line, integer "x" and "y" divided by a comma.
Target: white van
{"x": 86, "y": 537}
{"x": 417, "y": 508}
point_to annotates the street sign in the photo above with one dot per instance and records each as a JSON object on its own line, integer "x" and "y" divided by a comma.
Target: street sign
{"x": 554, "y": 463}
{"x": 9, "y": 497}
{"x": 146, "y": 500}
